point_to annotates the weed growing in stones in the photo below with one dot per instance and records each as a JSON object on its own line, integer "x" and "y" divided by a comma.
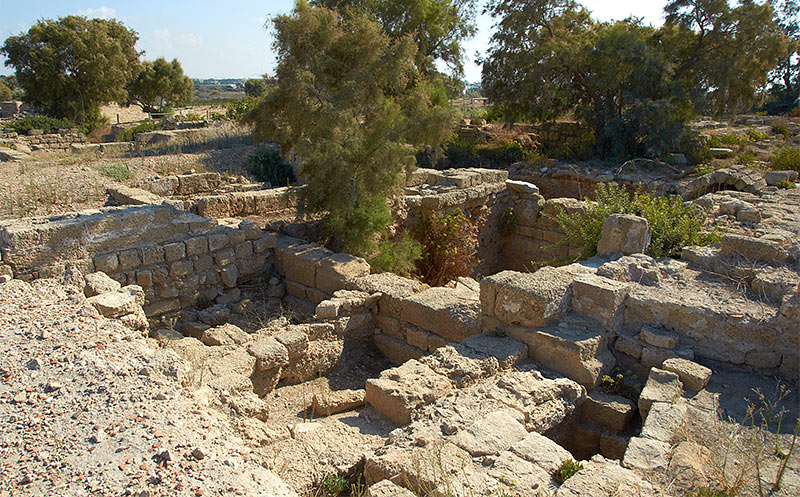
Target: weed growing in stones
{"x": 117, "y": 172}
{"x": 617, "y": 386}
{"x": 786, "y": 158}
{"x": 508, "y": 222}
{"x": 567, "y": 470}
{"x": 449, "y": 246}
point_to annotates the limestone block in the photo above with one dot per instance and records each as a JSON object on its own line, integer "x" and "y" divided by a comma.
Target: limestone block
{"x": 664, "y": 421}
{"x": 521, "y": 476}
{"x": 98, "y": 283}
{"x": 629, "y": 346}
{"x": 453, "y": 314}
{"x": 295, "y": 341}
{"x": 753, "y": 249}
{"x": 397, "y": 392}
{"x": 774, "y": 177}
{"x": 694, "y": 376}
{"x": 395, "y": 350}
{"x": 460, "y": 364}
{"x": 417, "y": 338}
{"x": 506, "y": 350}
{"x": 152, "y": 255}
{"x": 661, "y": 386}
{"x": 115, "y": 304}
{"x": 161, "y": 307}
{"x": 624, "y": 233}
{"x": 179, "y": 269}
{"x": 385, "y": 488}
{"x": 137, "y": 320}
{"x": 577, "y": 352}
{"x": 603, "y": 478}
{"x": 174, "y": 251}
{"x": 225, "y": 257}
{"x": 226, "y": 334}
{"x": 336, "y": 270}
{"x": 327, "y": 402}
{"x": 196, "y": 245}
{"x": 392, "y": 288}
{"x": 269, "y": 353}
{"x": 299, "y": 263}
{"x": 599, "y": 298}
{"x": 541, "y": 451}
{"x": 321, "y": 356}
{"x": 106, "y": 263}
{"x": 129, "y": 259}
{"x": 266, "y": 242}
{"x": 228, "y": 275}
{"x": 189, "y": 184}
{"x": 659, "y": 337}
{"x": 251, "y": 230}
{"x": 244, "y": 250}
{"x": 492, "y": 434}
{"x": 613, "y": 445}
{"x": 529, "y": 299}
{"x": 646, "y": 454}
{"x": 249, "y": 405}
{"x": 609, "y": 411}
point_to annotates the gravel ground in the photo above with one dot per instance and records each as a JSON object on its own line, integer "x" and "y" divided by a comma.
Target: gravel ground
{"x": 88, "y": 407}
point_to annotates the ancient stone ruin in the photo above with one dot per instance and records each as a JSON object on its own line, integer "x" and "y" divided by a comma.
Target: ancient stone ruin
{"x": 485, "y": 386}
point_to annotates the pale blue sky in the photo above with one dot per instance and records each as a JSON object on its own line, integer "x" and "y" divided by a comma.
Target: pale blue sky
{"x": 219, "y": 38}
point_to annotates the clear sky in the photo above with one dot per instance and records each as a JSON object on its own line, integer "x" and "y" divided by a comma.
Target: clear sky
{"x": 226, "y": 38}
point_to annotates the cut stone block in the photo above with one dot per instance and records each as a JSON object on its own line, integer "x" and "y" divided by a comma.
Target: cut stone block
{"x": 295, "y": 341}
{"x": 577, "y": 352}
{"x": 330, "y": 402}
{"x": 523, "y": 477}
{"x": 395, "y": 350}
{"x": 664, "y": 421}
{"x": 541, "y": 451}
{"x": 385, "y": 488}
{"x": 492, "y": 434}
{"x": 603, "y": 478}
{"x": 336, "y": 270}
{"x": 661, "y": 386}
{"x": 116, "y": 304}
{"x": 613, "y": 445}
{"x": 659, "y": 337}
{"x": 694, "y": 376}
{"x": 460, "y": 364}
{"x": 453, "y": 314}
{"x": 300, "y": 262}
{"x": 599, "y": 298}
{"x": 99, "y": 283}
{"x": 393, "y": 289}
{"x": 269, "y": 353}
{"x": 506, "y": 350}
{"x": 397, "y": 392}
{"x": 646, "y": 454}
{"x": 624, "y": 233}
{"x": 609, "y": 411}
{"x": 528, "y": 299}
{"x": 226, "y": 334}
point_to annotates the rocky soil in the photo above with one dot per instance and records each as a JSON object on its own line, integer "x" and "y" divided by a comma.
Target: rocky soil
{"x": 89, "y": 407}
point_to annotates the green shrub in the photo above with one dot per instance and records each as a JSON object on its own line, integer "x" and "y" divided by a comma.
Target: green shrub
{"x": 708, "y": 492}
{"x": 703, "y": 169}
{"x": 580, "y": 149}
{"x": 399, "y": 256}
{"x": 755, "y": 135}
{"x": 237, "y": 109}
{"x": 503, "y": 155}
{"x": 746, "y": 157}
{"x": 449, "y": 244}
{"x": 460, "y": 153}
{"x": 335, "y": 484}
{"x": 673, "y": 224}
{"x": 267, "y": 165}
{"x": 617, "y": 386}
{"x": 786, "y": 158}
{"x": 117, "y": 172}
{"x": 129, "y": 134}
{"x": 567, "y": 470}
{"x": 781, "y": 127}
{"x": 734, "y": 140}
{"x": 785, "y": 185}
{"x": 48, "y": 125}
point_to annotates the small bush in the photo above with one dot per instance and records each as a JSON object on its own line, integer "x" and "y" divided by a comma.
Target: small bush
{"x": 786, "y": 158}
{"x": 746, "y": 158}
{"x": 48, "y": 125}
{"x": 449, "y": 242}
{"x": 267, "y": 165}
{"x": 703, "y": 169}
{"x": 508, "y": 222}
{"x": 237, "y": 109}
{"x": 335, "y": 484}
{"x": 503, "y": 155}
{"x": 755, "y": 135}
{"x": 781, "y": 127}
{"x": 567, "y": 470}
{"x": 117, "y": 172}
{"x": 785, "y": 185}
{"x": 708, "y": 492}
{"x": 673, "y": 224}
{"x": 461, "y": 153}
{"x": 734, "y": 140}
{"x": 617, "y": 386}
{"x": 399, "y": 256}
{"x": 579, "y": 149}
{"x": 128, "y": 134}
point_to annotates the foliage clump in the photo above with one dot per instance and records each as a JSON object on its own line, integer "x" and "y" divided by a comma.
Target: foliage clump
{"x": 617, "y": 386}
{"x": 350, "y": 101}
{"x": 267, "y": 165}
{"x": 567, "y": 470}
{"x": 786, "y": 158}
{"x": 117, "y": 172}
{"x": 449, "y": 244}
{"x": 673, "y": 224}
{"x": 128, "y": 134}
{"x": 48, "y": 125}
{"x": 161, "y": 85}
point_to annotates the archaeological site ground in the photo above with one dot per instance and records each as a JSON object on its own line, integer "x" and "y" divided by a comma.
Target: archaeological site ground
{"x": 169, "y": 326}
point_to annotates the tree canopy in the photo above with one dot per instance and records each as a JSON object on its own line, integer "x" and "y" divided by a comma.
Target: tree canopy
{"x": 437, "y": 26}
{"x": 255, "y": 87}
{"x": 5, "y": 92}
{"x": 351, "y": 104}
{"x": 161, "y": 84}
{"x": 71, "y": 66}
{"x": 634, "y": 85}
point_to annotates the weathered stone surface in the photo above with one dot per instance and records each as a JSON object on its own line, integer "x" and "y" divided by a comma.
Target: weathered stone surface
{"x": 664, "y": 421}
{"x": 661, "y": 386}
{"x": 624, "y": 233}
{"x": 393, "y": 290}
{"x": 609, "y": 411}
{"x": 613, "y": 445}
{"x": 419, "y": 468}
{"x": 577, "y": 352}
{"x": 453, "y": 314}
{"x": 230, "y": 372}
{"x": 395, "y": 350}
{"x": 335, "y": 271}
{"x": 299, "y": 262}
{"x": 694, "y": 376}
{"x": 774, "y": 177}
{"x": 398, "y": 391}
{"x": 116, "y": 304}
{"x": 460, "y": 364}
{"x": 602, "y": 478}
{"x": 226, "y": 334}
{"x": 321, "y": 357}
{"x": 492, "y": 434}
{"x": 659, "y": 337}
{"x": 327, "y": 402}
{"x": 269, "y": 353}
{"x": 506, "y": 350}
{"x": 385, "y": 488}
{"x": 599, "y": 298}
{"x": 294, "y": 339}
{"x": 541, "y": 451}
{"x": 529, "y": 299}
{"x": 98, "y": 283}
{"x": 637, "y": 268}
{"x": 753, "y": 249}
{"x": 521, "y": 476}
{"x": 249, "y": 405}
{"x": 646, "y": 454}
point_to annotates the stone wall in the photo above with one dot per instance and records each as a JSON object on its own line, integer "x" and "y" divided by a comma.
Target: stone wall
{"x": 554, "y": 134}
{"x": 37, "y": 140}
{"x": 213, "y": 137}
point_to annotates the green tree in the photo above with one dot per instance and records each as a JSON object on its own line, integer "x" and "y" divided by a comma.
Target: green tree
{"x": 5, "y": 92}
{"x": 634, "y": 85}
{"x": 255, "y": 87}
{"x": 71, "y": 66}
{"x": 350, "y": 102}
{"x": 438, "y": 26}
{"x": 161, "y": 84}
{"x": 785, "y": 79}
